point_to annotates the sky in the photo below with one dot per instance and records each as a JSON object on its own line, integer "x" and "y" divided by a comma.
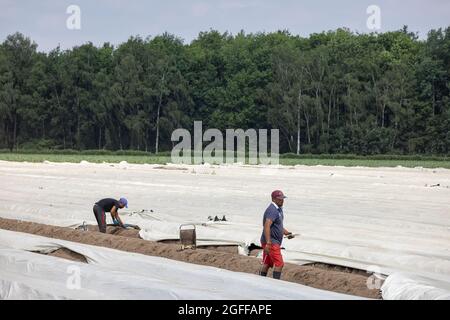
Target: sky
{"x": 114, "y": 21}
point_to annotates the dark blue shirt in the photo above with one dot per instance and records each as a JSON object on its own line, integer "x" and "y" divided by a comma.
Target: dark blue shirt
{"x": 107, "y": 204}
{"x": 276, "y": 229}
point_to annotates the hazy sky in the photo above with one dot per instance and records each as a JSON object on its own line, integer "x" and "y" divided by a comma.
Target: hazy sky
{"x": 44, "y": 21}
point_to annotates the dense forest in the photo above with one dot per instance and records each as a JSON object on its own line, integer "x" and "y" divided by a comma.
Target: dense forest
{"x": 333, "y": 92}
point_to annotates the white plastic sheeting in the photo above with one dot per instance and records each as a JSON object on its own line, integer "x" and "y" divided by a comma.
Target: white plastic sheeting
{"x": 112, "y": 274}
{"x": 384, "y": 219}
{"x": 403, "y": 286}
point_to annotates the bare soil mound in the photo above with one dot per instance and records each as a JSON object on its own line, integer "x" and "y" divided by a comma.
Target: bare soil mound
{"x": 68, "y": 254}
{"x": 129, "y": 233}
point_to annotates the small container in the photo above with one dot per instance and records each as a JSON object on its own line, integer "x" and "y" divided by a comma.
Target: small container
{"x": 188, "y": 236}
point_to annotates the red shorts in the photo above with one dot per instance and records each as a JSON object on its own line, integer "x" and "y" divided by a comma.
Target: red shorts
{"x": 274, "y": 258}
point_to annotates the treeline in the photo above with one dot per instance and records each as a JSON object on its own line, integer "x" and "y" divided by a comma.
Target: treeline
{"x": 332, "y": 93}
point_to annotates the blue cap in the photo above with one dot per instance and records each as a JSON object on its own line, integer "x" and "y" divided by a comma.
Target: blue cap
{"x": 124, "y": 202}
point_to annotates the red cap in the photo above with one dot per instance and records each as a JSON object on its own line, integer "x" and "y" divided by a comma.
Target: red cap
{"x": 278, "y": 194}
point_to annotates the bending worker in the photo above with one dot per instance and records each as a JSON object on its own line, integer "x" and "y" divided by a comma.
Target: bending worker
{"x": 272, "y": 236}
{"x": 112, "y": 206}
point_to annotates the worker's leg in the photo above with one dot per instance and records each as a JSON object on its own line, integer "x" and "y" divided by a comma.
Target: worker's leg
{"x": 267, "y": 262}
{"x": 264, "y": 270}
{"x": 100, "y": 217}
{"x": 277, "y": 258}
{"x": 277, "y": 272}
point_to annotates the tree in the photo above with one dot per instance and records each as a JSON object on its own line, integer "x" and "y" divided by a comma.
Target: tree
{"x": 18, "y": 54}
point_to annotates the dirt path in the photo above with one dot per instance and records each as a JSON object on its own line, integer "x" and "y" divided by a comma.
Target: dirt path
{"x": 318, "y": 276}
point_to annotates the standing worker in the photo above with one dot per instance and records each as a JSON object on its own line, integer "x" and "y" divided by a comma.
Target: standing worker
{"x": 112, "y": 206}
{"x": 272, "y": 236}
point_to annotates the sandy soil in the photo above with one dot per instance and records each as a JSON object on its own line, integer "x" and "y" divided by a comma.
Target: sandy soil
{"x": 129, "y": 233}
{"x": 68, "y": 254}
{"x": 321, "y": 277}
{"x": 225, "y": 248}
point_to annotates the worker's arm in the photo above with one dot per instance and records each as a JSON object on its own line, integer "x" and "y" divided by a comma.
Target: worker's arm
{"x": 267, "y": 225}
{"x": 115, "y": 216}
{"x": 288, "y": 234}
